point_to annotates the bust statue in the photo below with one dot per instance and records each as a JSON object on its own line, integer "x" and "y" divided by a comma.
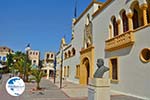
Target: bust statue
{"x": 101, "y": 69}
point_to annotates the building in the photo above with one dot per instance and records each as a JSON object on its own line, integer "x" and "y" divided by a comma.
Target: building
{"x": 3, "y": 53}
{"x": 48, "y": 65}
{"x": 118, "y": 32}
{"x": 34, "y": 56}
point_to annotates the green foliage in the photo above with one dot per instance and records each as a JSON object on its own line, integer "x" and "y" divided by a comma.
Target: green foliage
{"x": 9, "y": 61}
{"x": 19, "y": 62}
{"x": 37, "y": 76}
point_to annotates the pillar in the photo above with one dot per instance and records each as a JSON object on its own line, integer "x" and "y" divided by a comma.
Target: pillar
{"x": 98, "y": 89}
{"x": 119, "y": 26}
{"x": 144, "y": 11}
{"x": 130, "y": 22}
{"x": 48, "y": 73}
{"x": 110, "y": 31}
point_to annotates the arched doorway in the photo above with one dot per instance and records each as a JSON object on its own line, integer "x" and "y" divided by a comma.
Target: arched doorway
{"x": 86, "y": 68}
{"x": 86, "y": 64}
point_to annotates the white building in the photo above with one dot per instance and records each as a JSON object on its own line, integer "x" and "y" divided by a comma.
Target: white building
{"x": 34, "y": 56}
{"x": 48, "y": 65}
{"x": 3, "y": 53}
{"x": 117, "y": 31}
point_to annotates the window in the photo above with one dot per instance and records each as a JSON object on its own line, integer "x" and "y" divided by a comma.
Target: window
{"x": 137, "y": 15}
{"x": 65, "y": 71}
{"x": 69, "y": 53}
{"x": 47, "y": 56}
{"x": 148, "y": 16}
{"x": 34, "y": 61}
{"x": 135, "y": 19}
{"x": 114, "y": 69}
{"x": 115, "y": 26}
{"x": 148, "y": 11}
{"x": 73, "y": 51}
{"x": 77, "y": 71}
{"x": 125, "y": 22}
{"x": 145, "y": 55}
{"x": 4, "y": 58}
{"x": 68, "y": 71}
{"x": 65, "y": 55}
{"x": 52, "y": 55}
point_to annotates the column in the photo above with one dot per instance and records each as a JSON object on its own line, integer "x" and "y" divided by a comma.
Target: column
{"x": 130, "y": 22}
{"x": 110, "y": 31}
{"x": 144, "y": 8}
{"x": 47, "y": 73}
{"x": 119, "y": 26}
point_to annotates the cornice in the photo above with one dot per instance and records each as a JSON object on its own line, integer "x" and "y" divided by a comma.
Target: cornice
{"x": 85, "y": 11}
{"x": 102, "y": 7}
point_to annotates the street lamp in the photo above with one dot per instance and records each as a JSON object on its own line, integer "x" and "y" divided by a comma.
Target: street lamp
{"x": 61, "y": 68}
{"x": 26, "y": 56}
{"x": 55, "y": 62}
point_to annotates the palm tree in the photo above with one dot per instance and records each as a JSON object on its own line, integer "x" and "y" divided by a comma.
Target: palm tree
{"x": 22, "y": 64}
{"x": 37, "y": 76}
{"x": 9, "y": 62}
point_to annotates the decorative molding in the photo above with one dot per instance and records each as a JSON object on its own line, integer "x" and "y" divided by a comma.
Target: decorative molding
{"x": 121, "y": 41}
{"x": 143, "y": 53}
{"x": 86, "y": 50}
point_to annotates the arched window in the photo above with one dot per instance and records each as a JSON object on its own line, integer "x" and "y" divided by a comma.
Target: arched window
{"x": 65, "y": 55}
{"x": 73, "y": 51}
{"x": 148, "y": 16}
{"x": 135, "y": 19}
{"x": 148, "y": 11}
{"x": 115, "y": 26}
{"x": 125, "y": 22}
{"x": 69, "y": 53}
{"x": 137, "y": 15}
{"x": 68, "y": 70}
{"x": 47, "y": 56}
{"x": 52, "y": 55}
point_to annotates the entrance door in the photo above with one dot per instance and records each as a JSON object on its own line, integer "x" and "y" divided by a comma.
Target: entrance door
{"x": 85, "y": 72}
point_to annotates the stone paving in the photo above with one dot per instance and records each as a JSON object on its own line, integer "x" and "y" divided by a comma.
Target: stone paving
{"x": 51, "y": 91}
{"x": 76, "y": 90}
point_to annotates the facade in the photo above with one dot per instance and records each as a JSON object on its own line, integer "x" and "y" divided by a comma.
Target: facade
{"x": 48, "y": 65}
{"x": 34, "y": 56}
{"x": 118, "y": 32}
{"x": 3, "y": 53}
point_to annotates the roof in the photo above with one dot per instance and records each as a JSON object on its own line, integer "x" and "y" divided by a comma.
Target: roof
{"x": 6, "y": 49}
{"x": 90, "y": 5}
{"x": 102, "y": 7}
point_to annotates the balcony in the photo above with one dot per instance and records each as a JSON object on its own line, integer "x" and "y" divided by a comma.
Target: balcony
{"x": 120, "y": 41}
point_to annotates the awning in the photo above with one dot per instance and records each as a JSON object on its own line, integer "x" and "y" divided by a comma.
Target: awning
{"x": 47, "y": 68}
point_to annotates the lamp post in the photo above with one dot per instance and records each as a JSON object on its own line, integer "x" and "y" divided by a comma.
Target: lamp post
{"x": 61, "y": 68}
{"x": 55, "y": 62}
{"x": 26, "y": 57}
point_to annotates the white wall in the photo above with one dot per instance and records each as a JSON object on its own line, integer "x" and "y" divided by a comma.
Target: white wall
{"x": 134, "y": 75}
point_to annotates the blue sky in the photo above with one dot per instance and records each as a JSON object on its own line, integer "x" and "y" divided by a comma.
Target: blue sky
{"x": 42, "y": 23}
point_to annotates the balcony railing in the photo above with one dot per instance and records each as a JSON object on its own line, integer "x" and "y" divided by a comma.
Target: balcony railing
{"x": 120, "y": 41}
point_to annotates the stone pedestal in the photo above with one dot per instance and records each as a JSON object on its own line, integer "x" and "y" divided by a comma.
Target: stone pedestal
{"x": 99, "y": 89}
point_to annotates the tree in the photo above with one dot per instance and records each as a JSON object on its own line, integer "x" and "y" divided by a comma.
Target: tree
{"x": 37, "y": 76}
{"x": 9, "y": 61}
{"x": 22, "y": 64}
